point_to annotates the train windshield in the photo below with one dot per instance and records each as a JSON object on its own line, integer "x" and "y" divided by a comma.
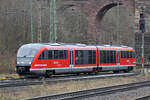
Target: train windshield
{"x": 27, "y": 51}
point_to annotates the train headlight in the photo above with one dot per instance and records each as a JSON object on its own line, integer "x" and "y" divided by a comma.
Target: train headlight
{"x": 18, "y": 62}
{"x": 29, "y": 62}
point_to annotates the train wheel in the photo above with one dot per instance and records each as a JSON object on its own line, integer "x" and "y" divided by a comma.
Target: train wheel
{"x": 77, "y": 74}
{"x": 127, "y": 71}
{"x": 96, "y": 72}
{"x": 116, "y": 71}
{"x": 49, "y": 73}
{"x": 85, "y": 73}
{"x": 90, "y": 73}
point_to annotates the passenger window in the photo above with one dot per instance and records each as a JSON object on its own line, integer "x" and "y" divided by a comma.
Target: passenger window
{"x": 65, "y": 54}
{"x": 94, "y": 57}
{"x": 61, "y": 54}
{"x": 127, "y": 54}
{"x": 107, "y": 57}
{"x": 85, "y": 57}
{"x": 54, "y": 54}
{"x": 122, "y": 54}
{"x": 133, "y": 55}
{"x": 42, "y": 55}
{"x": 50, "y": 54}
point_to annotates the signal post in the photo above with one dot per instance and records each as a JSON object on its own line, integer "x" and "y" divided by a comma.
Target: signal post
{"x": 142, "y": 28}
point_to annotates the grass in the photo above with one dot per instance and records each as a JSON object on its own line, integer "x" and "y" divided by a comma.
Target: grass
{"x": 9, "y": 76}
{"x": 70, "y": 86}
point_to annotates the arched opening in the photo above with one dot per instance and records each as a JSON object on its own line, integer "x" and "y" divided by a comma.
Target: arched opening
{"x": 103, "y": 11}
{"x": 108, "y": 23}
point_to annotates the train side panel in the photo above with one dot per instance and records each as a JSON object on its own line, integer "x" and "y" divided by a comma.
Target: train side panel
{"x": 85, "y": 59}
{"x": 54, "y": 59}
{"x": 107, "y": 58}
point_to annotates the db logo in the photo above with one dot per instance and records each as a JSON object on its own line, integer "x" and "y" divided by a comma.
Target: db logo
{"x": 55, "y": 62}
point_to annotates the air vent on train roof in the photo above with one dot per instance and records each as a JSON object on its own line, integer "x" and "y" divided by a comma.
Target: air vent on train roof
{"x": 81, "y": 44}
{"x": 124, "y": 46}
{"x": 55, "y": 44}
{"x": 52, "y": 44}
{"x": 107, "y": 45}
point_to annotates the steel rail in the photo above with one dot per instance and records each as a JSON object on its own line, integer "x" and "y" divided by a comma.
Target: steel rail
{"x": 144, "y": 98}
{"x": 18, "y": 83}
{"x": 93, "y": 92}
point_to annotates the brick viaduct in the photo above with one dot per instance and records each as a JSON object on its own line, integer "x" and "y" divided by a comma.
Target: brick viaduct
{"x": 96, "y": 9}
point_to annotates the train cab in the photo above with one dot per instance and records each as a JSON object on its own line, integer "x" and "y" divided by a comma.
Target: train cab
{"x": 25, "y": 56}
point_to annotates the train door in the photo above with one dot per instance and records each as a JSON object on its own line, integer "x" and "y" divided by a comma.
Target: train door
{"x": 71, "y": 59}
{"x": 118, "y": 58}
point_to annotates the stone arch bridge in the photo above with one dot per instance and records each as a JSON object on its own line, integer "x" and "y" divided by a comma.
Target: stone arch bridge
{"x": 94, "y": 11}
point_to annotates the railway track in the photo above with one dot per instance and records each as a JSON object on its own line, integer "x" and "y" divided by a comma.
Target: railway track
{"x": 79, "y": 95}
{"x": 144, "y": 98}
{"x": 27, "y": 82}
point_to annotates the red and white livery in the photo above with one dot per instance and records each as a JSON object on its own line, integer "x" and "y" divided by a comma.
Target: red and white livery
{"x": 54, "y": 58}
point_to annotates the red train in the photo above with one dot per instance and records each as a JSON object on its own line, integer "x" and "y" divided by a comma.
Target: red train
{"x": 54, "y": 58}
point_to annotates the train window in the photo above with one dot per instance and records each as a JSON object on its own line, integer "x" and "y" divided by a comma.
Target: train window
{"x": 42, "y": 55}
{"x": 127, "y": 54}
{"x": 71, "y": 57}
{"x": 114, "y": 57}
{"x": 54, "y": 54}
{"x": 90, "y": 57}
{"x": 101, "y": 57}
{"x": 122, "y": 54}
{"x": 50, "y": 54}
{"x": 130, "y": 54}
{"x": 107, "y": 57}
{"x": 78, "y": 57}
{"x": 85, "y": 57}
{"x": 94, "y": 57}
{"x": 65, "y": 54}
{"x": 61, "y": 54}
{"x": 133, "y": 54}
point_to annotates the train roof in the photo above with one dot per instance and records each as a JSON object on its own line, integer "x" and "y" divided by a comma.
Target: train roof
{"x": 39, "y": 45}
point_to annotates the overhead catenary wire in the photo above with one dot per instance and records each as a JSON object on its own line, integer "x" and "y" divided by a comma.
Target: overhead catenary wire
{"x": 53, "y": 23}
{"x": 31, "y": 23}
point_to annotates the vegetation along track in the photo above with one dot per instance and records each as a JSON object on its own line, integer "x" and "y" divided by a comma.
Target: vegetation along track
{"x": 27, "y": 82}
{"x": 94, "y": 92}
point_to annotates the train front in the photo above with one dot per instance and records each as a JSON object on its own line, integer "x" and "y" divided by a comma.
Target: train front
{"x": 25, "y": 56}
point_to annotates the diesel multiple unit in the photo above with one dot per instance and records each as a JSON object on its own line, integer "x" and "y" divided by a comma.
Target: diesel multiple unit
{"x": 57, "y": 58}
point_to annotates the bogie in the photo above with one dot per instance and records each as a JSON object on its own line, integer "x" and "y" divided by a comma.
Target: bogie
{"x": 49, "y": 73}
